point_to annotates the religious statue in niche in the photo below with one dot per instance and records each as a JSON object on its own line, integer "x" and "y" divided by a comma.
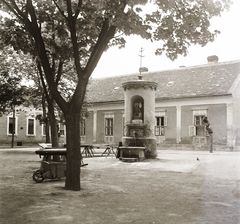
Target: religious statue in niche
{"x": 137, "y": 110}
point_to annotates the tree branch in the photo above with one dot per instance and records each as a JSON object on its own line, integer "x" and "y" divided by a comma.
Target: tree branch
{"x": 42, "y": 81}
{"x": 78, "y": 9}
{"x": 59, "y": 72}
{"x": 40, "y": 46}
{"x": 106, "y": 34}
{"x": 59, "y": 9}
{"x": 19, "y": 14}
{"x": 72, "y": 28}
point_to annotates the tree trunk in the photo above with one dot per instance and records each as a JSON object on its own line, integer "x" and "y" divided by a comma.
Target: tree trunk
{"x": 48, "y": 139}
{"x": 54, "y": 125}
{"x": 46, "y": 119}
{"x": 74, "y": 156}
{"x": 54, "y": 131}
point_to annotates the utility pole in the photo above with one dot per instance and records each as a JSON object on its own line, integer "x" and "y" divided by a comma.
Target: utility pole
{"x": 13, "y": 126}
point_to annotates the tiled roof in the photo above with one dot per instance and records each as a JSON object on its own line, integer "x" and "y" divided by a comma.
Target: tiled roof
{"x": 206, "y": 80}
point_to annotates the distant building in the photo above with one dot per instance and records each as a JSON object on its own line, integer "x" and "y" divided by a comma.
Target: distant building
{"x": 28, "y": 130}
{"x": 183, "y": 97}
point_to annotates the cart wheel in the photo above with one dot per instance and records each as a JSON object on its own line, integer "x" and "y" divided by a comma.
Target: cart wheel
{"x": 38, "y": 176}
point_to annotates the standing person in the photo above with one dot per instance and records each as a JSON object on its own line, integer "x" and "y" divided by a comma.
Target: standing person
{"x": 208, "y": 128}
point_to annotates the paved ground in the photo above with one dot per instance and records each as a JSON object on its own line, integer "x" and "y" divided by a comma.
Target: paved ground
{"x": 174, "y": 188}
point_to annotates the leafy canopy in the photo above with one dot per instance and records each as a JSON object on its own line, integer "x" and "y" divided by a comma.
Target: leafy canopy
{"x": 175, "y": 24}
{"x": 15, "y": 69}
{"x": 12, "y": 93}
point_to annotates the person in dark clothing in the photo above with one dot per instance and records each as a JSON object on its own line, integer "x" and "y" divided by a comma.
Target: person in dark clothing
{"x": 210, "y": 131}
{"x": 207, "y": 124}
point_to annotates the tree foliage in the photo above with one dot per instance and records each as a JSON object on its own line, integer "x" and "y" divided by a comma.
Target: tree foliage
{"x": 73, "y": 34}
{"x": 13, "y": 92}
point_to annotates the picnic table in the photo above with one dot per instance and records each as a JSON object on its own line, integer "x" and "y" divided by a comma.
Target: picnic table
{"x": 109, "y": 150}
{"x": 87, "y": 150}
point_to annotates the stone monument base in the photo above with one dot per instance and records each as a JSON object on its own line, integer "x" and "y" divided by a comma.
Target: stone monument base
{"x": 137, "y": 121}
{"x": 132, "y": 152}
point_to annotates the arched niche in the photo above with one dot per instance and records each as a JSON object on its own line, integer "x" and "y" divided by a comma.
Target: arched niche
{"x": 137, "y": 103}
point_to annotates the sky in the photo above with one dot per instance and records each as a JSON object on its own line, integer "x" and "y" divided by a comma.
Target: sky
{"x": 127, "y": 61}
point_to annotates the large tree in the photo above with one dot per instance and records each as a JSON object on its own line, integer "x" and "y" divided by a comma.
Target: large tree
{"x": 83, "y": 29}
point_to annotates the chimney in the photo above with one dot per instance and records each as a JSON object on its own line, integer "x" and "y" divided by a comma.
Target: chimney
{"x": 212, "y": 58}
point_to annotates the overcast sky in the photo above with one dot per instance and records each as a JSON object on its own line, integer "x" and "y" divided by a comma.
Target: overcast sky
{"x": 126, "y": 61}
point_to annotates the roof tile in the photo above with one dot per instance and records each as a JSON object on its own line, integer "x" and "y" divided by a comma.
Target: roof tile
{"x": 205, "y": 80}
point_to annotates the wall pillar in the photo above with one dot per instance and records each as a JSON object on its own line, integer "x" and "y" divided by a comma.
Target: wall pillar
{"x": 94, "y": 125}
{"x": 230, "y": 125}
{"x": 179, "y": 123}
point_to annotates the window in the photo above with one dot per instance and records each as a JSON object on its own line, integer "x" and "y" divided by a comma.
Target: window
{"x": 161, "y": 122}
{"x": 198, "y": 128}
{"x": 11, "y": 127}
{"x": 82, "y": 127}
{"x": 30, "y": 126}
{"x": 44, "y": 131}
{"x": 61, "y": 131}
{"x": 108, "y": 126}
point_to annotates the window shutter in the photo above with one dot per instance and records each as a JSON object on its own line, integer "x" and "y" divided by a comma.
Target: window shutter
{"x": 192, "y": 130}
{"x": 162, "y": 131}
{"x": 165, "y": 121}
{"x": 157, "y": 130}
